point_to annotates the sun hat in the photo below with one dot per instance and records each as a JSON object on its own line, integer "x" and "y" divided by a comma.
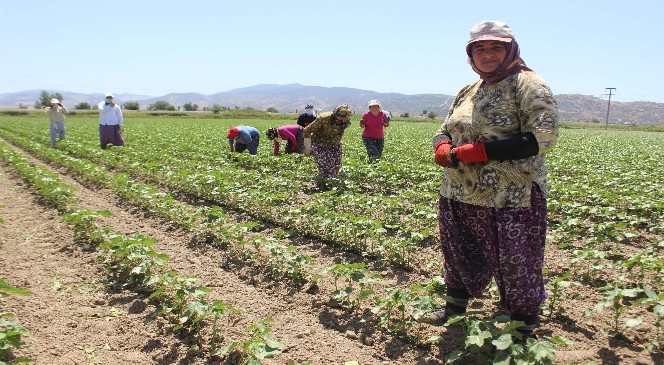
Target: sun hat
{"x": 232, "y": 133}
{"x": 491, "y": 30}
{"x": 272, "y": 133}
{"x": 109, "y": 95}
{"x": 374, "y": 102}
{"x": 55, "y": 101}
{"x": 342, "y": 110}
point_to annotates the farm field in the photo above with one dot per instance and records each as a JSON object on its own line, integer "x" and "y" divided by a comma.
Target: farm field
{"x": 173, "y": 251}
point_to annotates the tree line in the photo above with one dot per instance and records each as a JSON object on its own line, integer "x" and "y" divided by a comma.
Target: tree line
{"x": 45, "y": 101}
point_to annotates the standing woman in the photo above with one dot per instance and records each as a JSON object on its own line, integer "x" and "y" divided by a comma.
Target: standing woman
{"x": 110, "y": 122}
{"x": 293, "y": 134}
{"x": 323, "y": 138}
{"x": 56, "y": 115}
{"x": 492, "y": 204}
{"x": 374, "y": 122}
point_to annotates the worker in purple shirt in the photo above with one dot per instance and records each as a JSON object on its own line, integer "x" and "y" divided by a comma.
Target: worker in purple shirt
{"x": 292, "y": 134}
{"x": 243, "y": 137}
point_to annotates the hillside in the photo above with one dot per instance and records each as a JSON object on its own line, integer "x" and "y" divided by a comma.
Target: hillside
{"x": 293, "y": 97}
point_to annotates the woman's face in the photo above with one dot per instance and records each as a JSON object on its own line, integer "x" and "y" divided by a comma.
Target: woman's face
{"x": 374, "y": 109}
{"x": 488, "y": 55}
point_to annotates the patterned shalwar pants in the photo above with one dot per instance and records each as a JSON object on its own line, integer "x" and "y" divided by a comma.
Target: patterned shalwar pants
{"x": 328, "y": 159}
{"x": 506, "y": 244}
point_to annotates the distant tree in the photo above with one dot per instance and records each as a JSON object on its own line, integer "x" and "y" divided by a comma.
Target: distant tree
{"x": 190, "y": 107}
{"x": 131, "y": 105}
{"x": 84, "y": 105}
{"x": 431, "y": 115}
{"x": 272, "y": 110}
{"x": 160, "y": 105}
{"x": 45, "y": 99}
{"x": 21, "y": 106}
{"x": 216, "y": 108}
{"x": 405, "y": 115}
{"x": 170, "y": 108}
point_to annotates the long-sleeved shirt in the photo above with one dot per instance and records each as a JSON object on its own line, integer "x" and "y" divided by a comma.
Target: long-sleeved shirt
{"x": 56, "y": 114}
{"x": 289, "y": 133}
{"x": 374, "y": 124}
{"x": 326, "y": 130}
{"x": 305, "y": 119}
{"x": 519, "y": 104}
{"x": 110, "y": 115}
{"x": 246, "y": 135}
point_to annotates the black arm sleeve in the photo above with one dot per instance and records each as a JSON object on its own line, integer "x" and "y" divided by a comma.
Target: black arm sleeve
{"x": 515, "y": 147}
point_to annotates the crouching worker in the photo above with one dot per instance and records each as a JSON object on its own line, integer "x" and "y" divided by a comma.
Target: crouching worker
{"x": 293, "y": 134}
{"x": 242, "y": 138}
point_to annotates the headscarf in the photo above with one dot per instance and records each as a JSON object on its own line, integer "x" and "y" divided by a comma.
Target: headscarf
{"x": 232, "y": 133}
{"x": 309, "y": 110}
{"x": 272, "y": 133}
{"x": 512, "y": 64}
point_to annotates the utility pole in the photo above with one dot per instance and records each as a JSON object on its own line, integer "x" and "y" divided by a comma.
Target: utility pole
{"x": 608, "y": 106}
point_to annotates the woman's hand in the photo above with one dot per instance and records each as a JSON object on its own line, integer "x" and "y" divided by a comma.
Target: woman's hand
{"x": 442, "y": 154}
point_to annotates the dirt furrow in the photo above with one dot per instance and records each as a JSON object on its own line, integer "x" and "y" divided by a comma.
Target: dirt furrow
{"x": 313, "y": 330}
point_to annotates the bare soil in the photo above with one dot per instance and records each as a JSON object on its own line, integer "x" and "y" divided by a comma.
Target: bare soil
{"x": 78, "y": 315}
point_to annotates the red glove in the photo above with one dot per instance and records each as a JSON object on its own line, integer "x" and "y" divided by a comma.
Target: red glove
{"x": 471, "y": 153}
{"x": 442, "y": 154}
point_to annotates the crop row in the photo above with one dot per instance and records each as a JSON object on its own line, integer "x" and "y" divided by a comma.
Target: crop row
{"x": 135, "y": 263}
{"x": 600, "y": 205}
{"x": 397, "y": 310}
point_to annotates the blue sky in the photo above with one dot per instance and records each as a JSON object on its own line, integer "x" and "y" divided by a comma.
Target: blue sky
{"x": 410, "y": 47}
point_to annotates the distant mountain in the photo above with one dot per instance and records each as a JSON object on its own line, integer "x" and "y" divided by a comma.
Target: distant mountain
{"x": 291, "y": 98}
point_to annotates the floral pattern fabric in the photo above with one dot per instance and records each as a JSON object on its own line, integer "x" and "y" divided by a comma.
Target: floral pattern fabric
{"x": 506, "y": 244}
{"x": 518, "y": 104}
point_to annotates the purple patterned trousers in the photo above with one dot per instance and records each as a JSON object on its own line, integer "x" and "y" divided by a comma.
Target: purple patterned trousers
{"x": 328, "y": 159}
{"x": 505, "y": 244}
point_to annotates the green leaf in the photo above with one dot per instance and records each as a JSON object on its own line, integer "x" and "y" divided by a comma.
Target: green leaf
{"x": 434, "y": 339}
{"x": 559, "y": 340}
{"x": 6, "y": 288}
{"x": 634, "y": 321}
{"x": 542, "y": 350}
{"x": 275, "y": 343}
{"x": 503, "y": 342}
{"x": 454, "y": 356}
{"x": 503, "y": 358}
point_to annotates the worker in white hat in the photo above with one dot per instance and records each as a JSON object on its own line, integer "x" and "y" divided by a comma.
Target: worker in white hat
{"x": 373, "y": 123}
{"x": 110, "y": 122}
{"x": 56, "y": 115}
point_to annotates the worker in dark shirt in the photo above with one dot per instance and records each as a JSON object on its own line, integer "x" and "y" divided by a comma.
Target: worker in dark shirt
{"x": 307, "y": 117}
